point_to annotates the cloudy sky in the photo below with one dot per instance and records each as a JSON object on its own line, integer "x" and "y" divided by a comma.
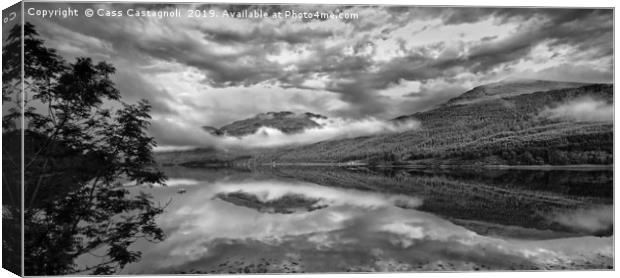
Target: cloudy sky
{"x": 389, "y": 62}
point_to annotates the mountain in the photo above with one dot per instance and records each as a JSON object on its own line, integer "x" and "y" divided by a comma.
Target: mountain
{"x": 213, "y": 130}
{"x": 510, "y": 88}
{"x": 285, "y": 121}
{"x": 507, "y": 129}
{"x": 496, "y": 124}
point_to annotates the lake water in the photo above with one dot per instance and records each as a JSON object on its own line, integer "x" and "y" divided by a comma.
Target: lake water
{"x": 339, "y": 220}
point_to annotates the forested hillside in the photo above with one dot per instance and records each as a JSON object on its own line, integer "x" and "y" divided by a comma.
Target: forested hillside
{"x": 505, "y": 130}
{"x": 509, "y": 128}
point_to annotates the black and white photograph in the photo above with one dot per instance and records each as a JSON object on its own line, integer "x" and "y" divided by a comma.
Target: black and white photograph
{"x": 212, "y": 138}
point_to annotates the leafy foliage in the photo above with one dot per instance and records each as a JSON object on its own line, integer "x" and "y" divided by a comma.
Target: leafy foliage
{"x": 80, "y": 138}
{"x": 11, "y": 152}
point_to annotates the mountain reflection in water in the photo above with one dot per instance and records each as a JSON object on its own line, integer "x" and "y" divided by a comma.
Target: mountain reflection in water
{"x": 358, "y": 220}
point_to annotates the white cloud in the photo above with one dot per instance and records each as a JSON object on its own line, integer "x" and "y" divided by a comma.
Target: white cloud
{"x": 402, "y": 89}
{"x": 582, "y": 110}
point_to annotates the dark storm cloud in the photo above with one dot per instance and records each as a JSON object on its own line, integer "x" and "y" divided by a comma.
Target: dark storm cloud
{"x": 248, "y": 66}
{"x": 222, "y": 69}
{"x": 259, "y": 35}
{"x": 571, "y": 73}
{"x": 453, "y": 16}
{"x": 590, "y": 29}
{"x": 584, "y": 28}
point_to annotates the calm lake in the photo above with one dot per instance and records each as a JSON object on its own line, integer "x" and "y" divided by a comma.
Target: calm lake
{"x": 362, "y": 220}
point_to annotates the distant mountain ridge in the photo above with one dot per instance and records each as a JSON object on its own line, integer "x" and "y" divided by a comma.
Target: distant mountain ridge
{"x": 510, "y": 88}
{"x": 285, "y": 121}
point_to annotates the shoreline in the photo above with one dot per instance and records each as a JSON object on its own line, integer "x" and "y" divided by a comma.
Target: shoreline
{"x": 575, "y": 167}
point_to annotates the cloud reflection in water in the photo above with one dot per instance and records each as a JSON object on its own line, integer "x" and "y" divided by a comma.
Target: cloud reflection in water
{"x": 357, "y": 231}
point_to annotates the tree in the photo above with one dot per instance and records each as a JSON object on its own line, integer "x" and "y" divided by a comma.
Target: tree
{"x": 11, "y": 151}
{"x": 79, "y": 140}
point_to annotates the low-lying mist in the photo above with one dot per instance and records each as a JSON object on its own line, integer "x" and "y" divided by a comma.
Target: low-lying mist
{"x": 267, "y": 137}
{"x": 582, "y": 110}
{"x": 330, "y": 129}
